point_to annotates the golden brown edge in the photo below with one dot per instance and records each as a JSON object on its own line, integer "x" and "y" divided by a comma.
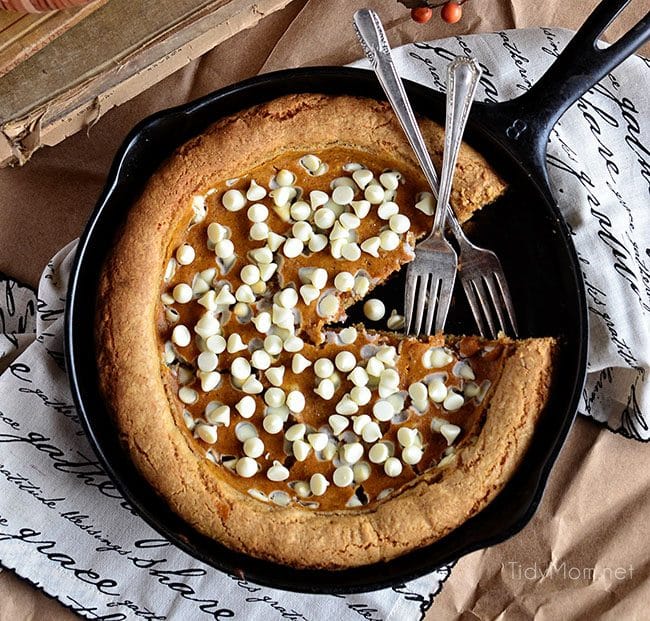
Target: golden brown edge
{"x": 131, "y": 366}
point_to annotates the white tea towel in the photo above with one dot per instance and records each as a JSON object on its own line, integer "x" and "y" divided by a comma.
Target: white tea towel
{"x": 64, "y": 526}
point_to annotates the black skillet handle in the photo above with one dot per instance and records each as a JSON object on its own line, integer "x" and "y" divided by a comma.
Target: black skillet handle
{"x": 524, "y": 124}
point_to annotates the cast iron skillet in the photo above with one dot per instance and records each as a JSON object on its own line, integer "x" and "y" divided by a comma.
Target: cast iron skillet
{"x": 525, "y": 228}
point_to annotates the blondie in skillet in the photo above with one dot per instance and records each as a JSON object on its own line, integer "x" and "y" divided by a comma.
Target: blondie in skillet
{"x": 261, "y": 420}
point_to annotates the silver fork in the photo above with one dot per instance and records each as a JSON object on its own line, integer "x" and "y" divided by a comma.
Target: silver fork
{"x": 480, "y": 270}
{"x": 435, "y": 263}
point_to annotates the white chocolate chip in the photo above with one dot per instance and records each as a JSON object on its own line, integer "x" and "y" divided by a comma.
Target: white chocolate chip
{"x": 209, "y": 300}
{"x": 302, "y": 231}
{"x": 261, "y": 255}
{"x": 407, "y": 436}
{"x": 362, "y": 472}
{"x": 393, "y": 467}
{"x": 250, "y": 274}
{"x": 182, "y": 293}
{"x": 273, "y": 423}
{"x": 310, "y": 162}
{"x": 344, "y": 281}
{"x": 295, "y": 432}
{"x": 323, "y": 367}
{"x": 437, "y": 390}
{"x": 395, "y": 321}
{"x": 352, "y": 453}
{"x": 233, "y": 200}
{"x": 246, "y": 467}
{"x": 317, "y": 243}
{"x": 235, "y": 344}
{"x": 464, "y": 370}
{"x": 225, "y": 297}
{"x": 387, "y": 354}
{"x": 346, "y": 405}
{"x": 284, "y": 177}
{"x": 282, "y": 195}
{"x": 257, "y": 212}
{"x": 181, "y": 336}
{"x": 378, "y": 453}
{"x": 418, "y": 392}
{"x": 412, "y": 455}
{"x": 345, "y": 361}
{"x": 329, "y": 306}
{"x": 336, "y": 246}
{"x": 294, "y": 344}
{"x": 207, "y": 325}
{"x": 267, "y": 270}
{"x": 259, "y": 231}
{"x": 348, "y": 335}
{"x": 374, "y": 367}
{"x": 246, "y": 406}
{"x": 260, "y": 360}
{"x": 277, "y": 472}
{"x": 318, "y": 441}
{"x": 252, "y": 386}
{"x": 361, "y": 395}
{"x": 282, "y": 317}
{"x": 245, "y": 294}
{"x": 292, "y": 248}
{"x": 262, "y": 322}
{"x": 338, "y": 423}
{"x": 299, "y": 363}
{"x": 361, "y": 286}
{"x": 362, "y": 177}
{"x": 450, "y": 432}
{"x": 240, "y": 368}
{"x": 374, "y": 193}
{"x": 188, "y": 395}
{"x": 300, "y": 211}
{"x": 388, "y": 240}
{"x": 288, "y": 298}
{"x": 224, "y": 249}
{"x": 342, "y": 195}
{"x": 371, "y": 246}
{"x": 317, "y": 198}
{"x": 255, "y": 192}
{"x": 374, "y": 309}
{"x": 274, "y": 397}
{"x": 387, "y": 210}
{"x": 351, "y": 251}
{"x": 383, "y": 410}
{"x": 207, "y": 433}
{"x": 318, "y": 484}
{"x": 471, "y": 390}
{"x": 309, "y": 293}
{"x": 329, "y": 452}
{"x": 371, "y": 432}
{"x": 436, "y": 358}
{"x": 359, "y": 377}
{"x": 343, "y": 476}
{"x": 253, "y": 447}
{"x": 274, "y": 241}
{"x": 453, "y": 401}
{"x": 295, "y": 401}
{"x": 324, "y": 218}
{"x": 325, "y": 389}
{"x": 185, "y": 254}
{"x": 426, "y": 204}
{"x": 207, "y": 361}
{"x": 399, "y": 223}
{"x": 273, "y": 344}
{"x": 275, "y": 375}
{"x": 245, "y": 430}
{"x": 217, "y": 232}
{"x": 302, "y": 489}
{"x": 301, "y": 450}
{"x": 339, "y": 232}
{"x": 359, "y": 423}
{"x": 361, "y": 208}
{"x": 389, "y": 180}
{"x": 217, "y": 414}
{"x": 349, "y": 220}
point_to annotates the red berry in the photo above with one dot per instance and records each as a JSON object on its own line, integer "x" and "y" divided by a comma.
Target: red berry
{"x": 421, "y": 15}
{"x": 451, "y": 12}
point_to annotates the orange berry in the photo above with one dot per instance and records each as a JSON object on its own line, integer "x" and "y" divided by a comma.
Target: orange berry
{"x": 421, "y": 14}
{"x": 451, "y": 12}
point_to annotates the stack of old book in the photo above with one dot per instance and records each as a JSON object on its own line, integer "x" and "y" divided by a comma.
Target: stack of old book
{"x": 60, "y": 71}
